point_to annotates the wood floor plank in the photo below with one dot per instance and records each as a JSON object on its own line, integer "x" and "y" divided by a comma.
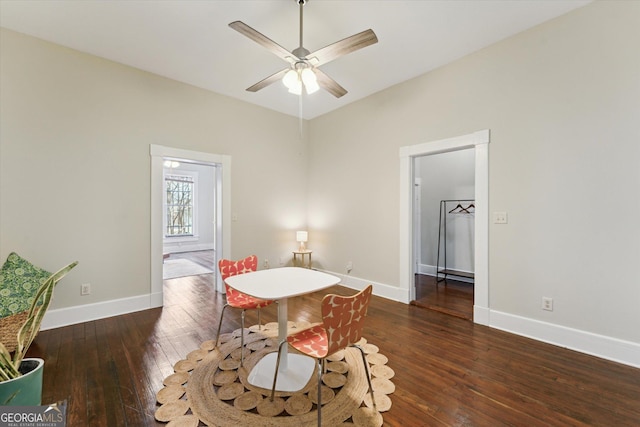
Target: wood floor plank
{"x": 95, "y": 398}
{"x": 451, "y": 297}
{"x": 448, "y": 371}
{"x": 110, "y": 376}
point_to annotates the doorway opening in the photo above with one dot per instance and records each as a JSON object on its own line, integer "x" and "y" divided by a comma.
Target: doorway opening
{"x": 189, "y": 218}
{"x": 444, "y": 232}
{"x": 479, "y": 142}
{"x": 218, "y": 217}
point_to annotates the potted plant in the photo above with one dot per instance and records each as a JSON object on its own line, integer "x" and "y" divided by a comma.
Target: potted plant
{"x": 20, "y": 378}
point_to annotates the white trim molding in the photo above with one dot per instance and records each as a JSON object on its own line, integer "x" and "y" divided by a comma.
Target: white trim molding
{"x": 601, "y": 346}
{"x": 609, "y": 348}
{"x": 430, "y": 270}
{"x": 86, "y": 313}
{"x": 379, "y": 289}
{"x": 479, "y": 141}
{"x": 223, "y": 206}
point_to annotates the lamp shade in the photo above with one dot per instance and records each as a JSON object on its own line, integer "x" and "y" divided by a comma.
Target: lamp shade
{"x": 310, "y": 81}
{"x": 296, "y": 88}
{"x": 301, "y": 236}
{"x": 291, "y": 79}
{"x": 301, "y": 76}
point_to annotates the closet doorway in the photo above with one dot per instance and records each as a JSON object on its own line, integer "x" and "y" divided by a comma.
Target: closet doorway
{"x": 444, "y": 232}
{"x": 479, "y": 142}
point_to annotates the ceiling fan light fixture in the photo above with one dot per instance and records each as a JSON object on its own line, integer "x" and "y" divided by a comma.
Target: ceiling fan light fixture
{"x": 296, "y": 89}
{"x": 304, "y": 65}
{"x": 291, "y": 79}
{"x": 310, "y": 80}
{"x": 301, "y": 76}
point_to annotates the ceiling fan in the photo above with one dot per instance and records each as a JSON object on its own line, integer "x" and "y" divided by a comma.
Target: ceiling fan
{"x": 303, "y": 71}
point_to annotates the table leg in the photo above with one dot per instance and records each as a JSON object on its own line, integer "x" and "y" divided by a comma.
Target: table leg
{"x": 295, "y": 369}
{"x": 282, "y": 331}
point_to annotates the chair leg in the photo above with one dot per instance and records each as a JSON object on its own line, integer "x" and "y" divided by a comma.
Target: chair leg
{"x": 275, "y": 375}
{"x": 220, "y": 324}
{"x": 366, "y": 368}
{"x": 242, "y": 339}
{"x": 320, "y": 364}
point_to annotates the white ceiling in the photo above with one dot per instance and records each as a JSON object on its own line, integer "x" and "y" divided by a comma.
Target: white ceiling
{"x": 190, "y": 40}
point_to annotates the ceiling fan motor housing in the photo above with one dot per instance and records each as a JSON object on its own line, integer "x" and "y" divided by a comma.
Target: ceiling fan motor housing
{"x": 301, "y": 52}
{"x": 303, "y": 65}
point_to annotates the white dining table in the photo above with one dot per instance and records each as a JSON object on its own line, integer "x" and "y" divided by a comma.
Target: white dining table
{"x": 280, "y": 284}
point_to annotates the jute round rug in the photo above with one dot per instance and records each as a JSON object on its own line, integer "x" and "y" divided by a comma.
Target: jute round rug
{"x": 210, "y": 388}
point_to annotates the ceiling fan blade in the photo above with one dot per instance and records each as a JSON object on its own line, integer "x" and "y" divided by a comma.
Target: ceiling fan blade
{"x": 263, "y": 41}
{"x": 269, "y": 80}
{"x": 342, "y": 47}
{"x": 328, "y": 84}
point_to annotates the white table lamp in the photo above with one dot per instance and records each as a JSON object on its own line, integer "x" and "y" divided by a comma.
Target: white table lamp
{"x": 301, "y": 237}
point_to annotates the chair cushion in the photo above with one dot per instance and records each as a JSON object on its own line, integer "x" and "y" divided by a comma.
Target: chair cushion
{"x": 19, "y": 283}
{"x": 247, "y": 302}
{"x": 312, "y": 341}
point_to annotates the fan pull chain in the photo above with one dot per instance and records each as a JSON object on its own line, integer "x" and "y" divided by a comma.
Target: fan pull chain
{"x": 300, "y": 121}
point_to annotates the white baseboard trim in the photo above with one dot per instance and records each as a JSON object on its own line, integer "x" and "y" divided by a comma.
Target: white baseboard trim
{"x": 85, "y": 313}
{"x": 156, "y": 300}
{"x": 481, "y": 315}
{"x": 616, "y": 350}
{"x": 430, "y": 270}
{"x": 380, "y": 289}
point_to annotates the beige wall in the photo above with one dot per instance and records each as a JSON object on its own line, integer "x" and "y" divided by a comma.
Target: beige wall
{"x": 75, "y": 165}
{"x": 562, "y": 102}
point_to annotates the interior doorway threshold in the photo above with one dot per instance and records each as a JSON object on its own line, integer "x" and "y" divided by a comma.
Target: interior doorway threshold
{"x": 444, "y": 310}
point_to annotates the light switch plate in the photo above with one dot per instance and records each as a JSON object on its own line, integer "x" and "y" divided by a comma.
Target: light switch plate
{"x": 499, "y": 217}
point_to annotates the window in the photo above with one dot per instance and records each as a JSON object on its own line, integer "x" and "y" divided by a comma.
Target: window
{"x": 180, "y": 191}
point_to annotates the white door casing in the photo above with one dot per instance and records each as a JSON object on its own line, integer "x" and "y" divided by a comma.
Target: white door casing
{"x": 223, "y": 209}
{"x": 479, "y": 141}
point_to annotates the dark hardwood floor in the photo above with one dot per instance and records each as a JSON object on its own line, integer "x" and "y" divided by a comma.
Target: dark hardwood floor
{"x": 448, "y": 371}
{"x": 453, "y": 297}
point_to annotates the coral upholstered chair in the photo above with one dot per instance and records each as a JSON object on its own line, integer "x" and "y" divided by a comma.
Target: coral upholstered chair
{"x": 341, "y": 327}
{"x": 237, "y": 299}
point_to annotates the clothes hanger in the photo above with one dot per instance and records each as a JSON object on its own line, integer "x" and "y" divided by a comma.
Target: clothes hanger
{"x": 460, "y": 209}
{"x": 456, "y": 209}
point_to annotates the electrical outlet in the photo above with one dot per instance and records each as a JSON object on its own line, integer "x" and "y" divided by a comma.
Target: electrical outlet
{"x": 266, "y": 263}
{"x": 547, "y": 303}
{"x": 349, "y": 266}
{"x": 85, "y": 289}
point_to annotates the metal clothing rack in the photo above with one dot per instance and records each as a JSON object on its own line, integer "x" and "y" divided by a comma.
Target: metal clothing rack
{"x": 460, "y": 209}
